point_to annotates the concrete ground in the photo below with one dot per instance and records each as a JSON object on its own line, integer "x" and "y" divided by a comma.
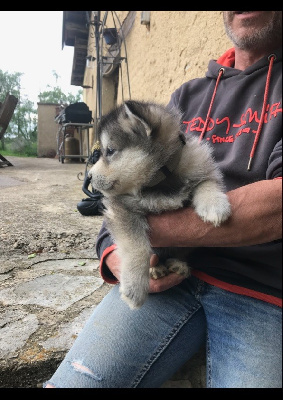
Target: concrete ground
{"x": 49, "y": 279}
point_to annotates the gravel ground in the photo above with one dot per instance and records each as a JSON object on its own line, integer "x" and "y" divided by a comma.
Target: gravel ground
{"x": 38, "y": 211}
{"x": 42, "y": 230}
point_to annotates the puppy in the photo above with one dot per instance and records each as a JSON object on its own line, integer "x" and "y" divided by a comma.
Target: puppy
{"x": 147, "y": 166}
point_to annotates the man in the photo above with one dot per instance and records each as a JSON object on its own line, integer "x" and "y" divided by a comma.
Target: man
{"x": 232, "y": 302}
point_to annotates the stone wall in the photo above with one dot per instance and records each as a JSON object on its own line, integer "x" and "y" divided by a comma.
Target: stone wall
{"x": 47, "y": 130}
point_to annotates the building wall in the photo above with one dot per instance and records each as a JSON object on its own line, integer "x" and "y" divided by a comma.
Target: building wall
{"x": 47, "y": 130}
{"x": 174, "y": 48}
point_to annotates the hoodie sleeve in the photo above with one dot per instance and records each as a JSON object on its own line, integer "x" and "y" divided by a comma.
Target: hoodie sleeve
{"x": 274, "y": 169}
{"x": 104, "y": 246}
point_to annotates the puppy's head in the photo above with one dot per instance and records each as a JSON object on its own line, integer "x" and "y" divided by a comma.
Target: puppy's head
{"x": 136, "y": 140}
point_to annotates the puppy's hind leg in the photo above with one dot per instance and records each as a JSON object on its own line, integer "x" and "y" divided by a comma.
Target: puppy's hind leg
{"x": 134, "y": 251}
{"x": 158, "y": 271}
{"x": 178, "y": 266}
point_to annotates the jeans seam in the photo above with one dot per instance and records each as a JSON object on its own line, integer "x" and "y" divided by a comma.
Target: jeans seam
{"x": 208, "y": 364}
{"x": 164, "y": 345}
{"x": 200, "y": 286}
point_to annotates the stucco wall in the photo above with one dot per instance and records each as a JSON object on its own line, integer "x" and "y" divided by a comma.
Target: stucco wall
{"x": 174, "y": 48}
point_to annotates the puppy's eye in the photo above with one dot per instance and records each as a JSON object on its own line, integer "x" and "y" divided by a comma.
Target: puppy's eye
{"x": 109, "y": 151}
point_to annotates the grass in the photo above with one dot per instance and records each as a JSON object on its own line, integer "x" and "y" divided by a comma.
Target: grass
{"x": 25, "y": 151}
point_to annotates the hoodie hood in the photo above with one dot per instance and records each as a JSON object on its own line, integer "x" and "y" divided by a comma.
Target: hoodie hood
{"x": 227, "y": 60}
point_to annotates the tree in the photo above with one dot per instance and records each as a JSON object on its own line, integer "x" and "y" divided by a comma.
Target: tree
{"x": 22, "y": 128}
{"x": 23, "y": 124}
{"x": 10, "y": 83}
{"x": 55, "y": 95}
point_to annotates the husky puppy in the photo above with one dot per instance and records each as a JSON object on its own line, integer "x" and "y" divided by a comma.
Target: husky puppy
{"x": 146, "y": 166}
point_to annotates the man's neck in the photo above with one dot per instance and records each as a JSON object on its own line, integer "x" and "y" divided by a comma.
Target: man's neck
{"x": 246, "y": 58}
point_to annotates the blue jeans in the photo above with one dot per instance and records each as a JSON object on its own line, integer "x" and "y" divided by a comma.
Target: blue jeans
{"x": 123, "y": 348}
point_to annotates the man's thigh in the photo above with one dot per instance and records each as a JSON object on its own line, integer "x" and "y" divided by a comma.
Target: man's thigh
{"x": 124, "y": 348}
{"x": 244, "y": 341}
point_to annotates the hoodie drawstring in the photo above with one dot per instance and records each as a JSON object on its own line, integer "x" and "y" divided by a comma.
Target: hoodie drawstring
{"x": 271, "y": 59}
{"x": 220, "y": 73}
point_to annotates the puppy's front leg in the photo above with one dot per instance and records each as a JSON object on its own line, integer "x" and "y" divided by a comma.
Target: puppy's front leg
{"x": 211, "y": 203}
{"x": 130, "y": 233}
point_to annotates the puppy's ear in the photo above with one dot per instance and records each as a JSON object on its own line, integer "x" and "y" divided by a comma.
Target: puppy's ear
{"x": 134, "y": 117}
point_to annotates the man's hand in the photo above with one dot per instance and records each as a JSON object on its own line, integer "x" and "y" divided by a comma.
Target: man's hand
{"x": 164, "y": 283}
{"x": 155, "y": 285}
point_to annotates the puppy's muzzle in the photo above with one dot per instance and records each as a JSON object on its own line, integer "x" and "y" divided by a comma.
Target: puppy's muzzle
{"x": 100, "y": 182}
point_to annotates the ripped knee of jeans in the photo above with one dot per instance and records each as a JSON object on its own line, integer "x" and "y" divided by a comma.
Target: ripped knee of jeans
{"x": 79, "y": 367}
{"x": 49, "y": 385}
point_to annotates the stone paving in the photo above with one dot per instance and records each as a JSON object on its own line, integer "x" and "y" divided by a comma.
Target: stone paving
{"x": 49, "y": 279}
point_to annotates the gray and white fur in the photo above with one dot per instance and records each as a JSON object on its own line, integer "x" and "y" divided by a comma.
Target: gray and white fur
{"x": 145, "y": 167}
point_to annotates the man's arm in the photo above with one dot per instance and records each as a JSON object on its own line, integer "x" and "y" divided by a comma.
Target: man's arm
{"x": 256, "y": 218}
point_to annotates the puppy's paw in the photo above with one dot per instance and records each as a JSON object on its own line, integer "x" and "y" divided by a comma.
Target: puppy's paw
{"x": 158, "y": 271}
{"x": 133, "y": 294}
{"x": 215, "y": 208}
{"x": 180, "y": 267}
{"x": 134, "y": 300}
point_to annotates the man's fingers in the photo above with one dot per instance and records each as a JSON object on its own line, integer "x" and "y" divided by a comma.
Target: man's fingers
{"x": 154, "y": 260}
{"x": 164, "y": 283}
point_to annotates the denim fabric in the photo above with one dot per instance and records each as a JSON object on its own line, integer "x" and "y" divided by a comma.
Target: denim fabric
{"x": 123, "y": 348}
